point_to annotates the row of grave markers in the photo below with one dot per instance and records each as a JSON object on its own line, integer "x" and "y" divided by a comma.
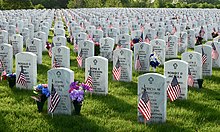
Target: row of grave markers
{"x": 154, "y": 83}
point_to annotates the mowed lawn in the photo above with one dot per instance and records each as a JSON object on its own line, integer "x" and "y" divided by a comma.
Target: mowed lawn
{"x": 115, "y": 112}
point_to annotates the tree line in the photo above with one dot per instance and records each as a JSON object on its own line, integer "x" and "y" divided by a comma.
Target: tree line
{"x": 41, "y": 4}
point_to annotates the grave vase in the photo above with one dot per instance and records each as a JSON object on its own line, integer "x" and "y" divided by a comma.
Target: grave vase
{"x": 40, "y": 103}
{"x": 77, "y": 106}
{"x": 12, "y": 81}
{"x": 200, "y": 82}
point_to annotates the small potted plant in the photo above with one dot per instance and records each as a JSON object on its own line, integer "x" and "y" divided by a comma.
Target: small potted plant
{"x": 77, "y": 92}
{"x": 42, "y": 93}
{"x": 11, "y": 79}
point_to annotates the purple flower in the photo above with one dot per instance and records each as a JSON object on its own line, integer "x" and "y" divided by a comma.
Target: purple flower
{"x": 86, "y": 87}
{"x": 73, "y": 85}
{"x": 77, "y": 95}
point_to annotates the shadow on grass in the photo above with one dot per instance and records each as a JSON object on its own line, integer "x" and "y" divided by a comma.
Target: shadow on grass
{"x": 203, "y": 112}
{"x": 169, "y": 126}
{"x": 3, "y": 124}
{"x": 65, "y": 123}
{"x": 118, "y": 108}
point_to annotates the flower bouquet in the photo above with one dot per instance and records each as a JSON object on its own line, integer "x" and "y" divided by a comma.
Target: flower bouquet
{"x": 77, "y": 92}
{"x": 42, "y": 93}
{"x": 11, "y": 79}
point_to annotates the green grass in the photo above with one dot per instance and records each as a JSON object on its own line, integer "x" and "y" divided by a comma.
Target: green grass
{"x": 115, "y": 112}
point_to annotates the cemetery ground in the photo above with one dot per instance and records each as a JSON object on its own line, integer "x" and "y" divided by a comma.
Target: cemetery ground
{"x": 115, "y": 112}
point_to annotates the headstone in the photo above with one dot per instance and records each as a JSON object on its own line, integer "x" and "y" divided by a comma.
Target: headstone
{"x": 124, "y": 41}
{"x": 35, "y": 46}
{"x": 158, "y": 46}
{"x": 112, "y": 33}
{"x": 59, "y": 32}
{"x": 61, "y": 79}
{"x": 172, "y": 46}
{"x": 59, "y": 41}
{"x": 3, "y": 36}
{"x": 28, "y": 62}
{"x": 142, "y": 53}
{"x": 25, "y": 34}
{"x": 160, "y": 33}
{"x": 61, "y": 55}
{"x": 194, "y": 60}
{"x": 11, "y": 31}
{"x": 215, "y": 54}
{"x": 191, "y": 38}
{"x": 97, "y": 35}
{"x": 42, "y": 36}
{"x": 182, "y": 42}
{"x": 31, "y": 31}
{"x": 149, "y": 34}
{"x": 17, "y": 43}
{"x": 106, "y": 47}
{"x": 6, "y": 57}
{"x": 180, "y": 69}
{"x": 125, "y": 59}
{"x": 86, "y": 49}
{"x": 207, "y": 66}
{"x": 156, "y": 89}
{"x": 98, "y": 68}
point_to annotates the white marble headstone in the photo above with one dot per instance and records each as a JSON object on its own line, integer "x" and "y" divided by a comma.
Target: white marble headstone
{"x": 61, "y": 79}
{"x": 143, "y": 51}
{"x": 106, "y": 47}
{"x": 87, "y": 50}
{"x": 17, "y": 43}
{"x": 156, "y": 89}
{"x": 59, "y": 41}
{"x": 158, "y": 46}
{"x": 62, "y": 56}
{"x": 194, "y": 60}
{"x": 6, "y": 57}
{"x": 125, "y": 58}
{"x": 180, "y": 69}
{"x": 35, "y": 46}
{"x": 28, "y": 61}
{"x": 207, "y": 66}
{"x": 98, "y": 67}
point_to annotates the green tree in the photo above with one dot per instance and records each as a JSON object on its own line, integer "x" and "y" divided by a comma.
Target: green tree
{"x": 17, "y": 4}
{"x": 76, "y": 4}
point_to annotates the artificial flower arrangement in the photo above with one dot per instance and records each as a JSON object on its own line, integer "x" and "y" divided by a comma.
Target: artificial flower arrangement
{"x": 77, "y": 92}
{"x": 42, "y": 93}
{"x": 11, "y": 77}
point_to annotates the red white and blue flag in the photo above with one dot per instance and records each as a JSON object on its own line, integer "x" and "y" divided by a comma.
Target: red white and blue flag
{"x": 54, "y": 99}
{"x": 173, "y": 89}
{"x": 144, "y": 106}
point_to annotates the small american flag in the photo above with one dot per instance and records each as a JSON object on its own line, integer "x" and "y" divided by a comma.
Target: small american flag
{"x": 117, "y": 70}
{"x": 144, "y": 106}
{"x": 54, "y": 99}
{"x": 21, "y": 78}
{"x": 173, "y": 89}
{"x": 1, "y": 64}
{"x": 173, "y": 30}
{"x": 147, "y": 40}
{"x": 55, "y": 63}
{"x": 140, "y": 39}
{"x": 215, "y": 54}
{"x": 50, "y": 50}
{"x": 204, "y": 57}
{"x": 79, "y": 59}
{"x": 190, "y": 79}
{"x": 89, "y": 80}
{"x": 76, "y": 47}
{"x": 118, "y": 46}
{"x": 138, "y": 63}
